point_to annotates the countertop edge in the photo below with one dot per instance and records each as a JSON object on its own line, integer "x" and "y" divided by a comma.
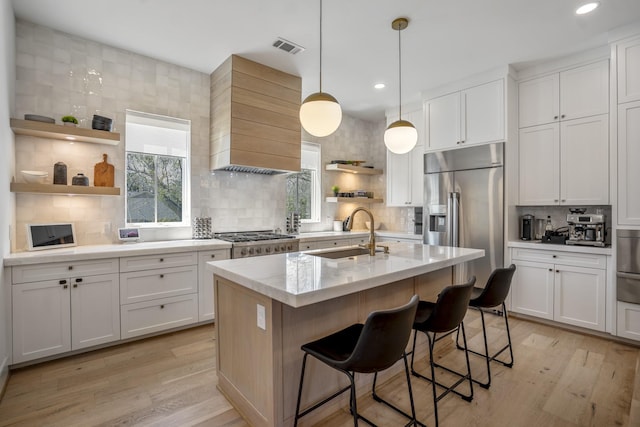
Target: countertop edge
{"x": 80, "y": 253}
{"x": 561, "y": 248}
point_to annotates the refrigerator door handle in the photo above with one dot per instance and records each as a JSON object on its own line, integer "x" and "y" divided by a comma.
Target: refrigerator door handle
{"x": 454, "y": 224}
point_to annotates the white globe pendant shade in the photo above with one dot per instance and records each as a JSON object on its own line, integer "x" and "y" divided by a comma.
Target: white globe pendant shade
{"x": 320, "y": 114}
{"x": 400, "y": 137}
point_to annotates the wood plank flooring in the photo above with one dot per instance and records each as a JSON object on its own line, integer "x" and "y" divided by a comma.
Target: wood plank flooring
{"x": 560, "y": 378}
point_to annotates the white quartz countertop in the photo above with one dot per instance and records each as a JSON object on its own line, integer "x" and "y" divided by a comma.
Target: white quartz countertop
{"x": 298, "y": 279}
{"x": 116, "y": 250}
{"x": 399, "y": 235}
{"x": 328, "y": 235}
{"x": 536, "y": 244}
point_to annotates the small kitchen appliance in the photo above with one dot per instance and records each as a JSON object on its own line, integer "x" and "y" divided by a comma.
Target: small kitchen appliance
{"x": 586, "y": 229}
{"x": 526, "y": 227}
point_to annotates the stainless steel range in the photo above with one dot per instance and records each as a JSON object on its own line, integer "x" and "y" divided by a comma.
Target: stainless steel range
{"x": 256, "y": 243}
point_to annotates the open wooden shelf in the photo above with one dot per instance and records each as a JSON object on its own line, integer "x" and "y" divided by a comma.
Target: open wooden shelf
{"x": 353, "y": 169}
{"x": 65, "y": 133}
{"x": 332, "y": 199}
{"x": 18, "y": 187}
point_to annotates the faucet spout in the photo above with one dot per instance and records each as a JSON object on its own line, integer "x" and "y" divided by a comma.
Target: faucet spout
{"x": 372, "y": 237}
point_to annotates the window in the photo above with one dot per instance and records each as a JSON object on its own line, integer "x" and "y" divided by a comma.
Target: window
{"x": 157, "y": 165}
{"x": 303, "y": 188}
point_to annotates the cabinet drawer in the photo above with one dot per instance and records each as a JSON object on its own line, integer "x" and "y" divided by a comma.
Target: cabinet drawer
{"x": 148, "y": 262}
{"x": 63, "y": 270}
{"x": 215, "y": 255}
{"x": 324, "y": 244}
{"x": 153, "y": 284}
{"x": 561, "y": 258}
{"x": 155, "y": 316}
{"x": 359, "y": 240}
{"x": 308, "y": 246}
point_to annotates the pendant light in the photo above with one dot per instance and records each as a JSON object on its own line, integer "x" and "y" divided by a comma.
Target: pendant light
{"x": 401, "y": 136}
{"x": 320, "y": 113}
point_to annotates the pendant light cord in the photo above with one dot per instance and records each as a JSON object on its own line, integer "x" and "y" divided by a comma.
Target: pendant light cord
{"x": 400, "y": 74}
{"x": 320, "y": 46}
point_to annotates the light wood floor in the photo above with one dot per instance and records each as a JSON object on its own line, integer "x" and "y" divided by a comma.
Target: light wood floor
{"x": 560, "y": 378}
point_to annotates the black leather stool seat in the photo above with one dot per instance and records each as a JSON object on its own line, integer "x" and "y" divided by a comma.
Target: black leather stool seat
{"x": 371, "y": 347}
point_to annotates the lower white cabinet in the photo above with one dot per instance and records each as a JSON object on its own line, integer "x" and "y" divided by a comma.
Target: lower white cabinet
{"x": 558, "y": 286}
{"x": 60, "y": 315}
{"x": 205, "y": 282}
{"x": 157, "y": 315}
{"x": 628, "y": 320}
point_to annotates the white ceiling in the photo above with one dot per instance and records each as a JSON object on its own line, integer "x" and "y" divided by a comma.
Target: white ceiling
{"x": 446, "y": 39}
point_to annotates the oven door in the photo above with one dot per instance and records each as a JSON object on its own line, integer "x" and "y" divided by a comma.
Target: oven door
{"x": 628, "y": 286}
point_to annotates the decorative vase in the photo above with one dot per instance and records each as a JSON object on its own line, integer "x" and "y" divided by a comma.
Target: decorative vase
{"x": 69, "y": 124}
{"x": 60, "y": 173}
{"x": 80, "y": 179}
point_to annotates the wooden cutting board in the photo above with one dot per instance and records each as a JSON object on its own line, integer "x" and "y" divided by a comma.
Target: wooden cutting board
{"x": 103, "y": 173}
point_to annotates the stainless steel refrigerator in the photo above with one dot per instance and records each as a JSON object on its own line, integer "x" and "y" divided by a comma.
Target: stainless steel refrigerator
{"x": 464, "y": 205}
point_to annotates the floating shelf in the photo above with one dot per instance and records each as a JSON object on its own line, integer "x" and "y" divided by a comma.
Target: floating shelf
{"x": 353, "y": 169}
{"x": 352, "y": 200}
{"x": 65, "y": 133}
{"x": 18, "y": 187}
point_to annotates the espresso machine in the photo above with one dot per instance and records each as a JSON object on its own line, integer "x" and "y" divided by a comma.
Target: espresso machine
{"x": 586, "y": 229}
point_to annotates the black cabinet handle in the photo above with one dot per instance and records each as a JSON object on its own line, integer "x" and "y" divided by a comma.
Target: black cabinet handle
{"x": 71, "y": 267}
{"x": 555, "y": 117}
{"x": 162, "y": 276}
{"x": 75, "y": 285}
{"x": 213, "y": 256}
{"x": 162, "y": 306}
{"x": 551, "y": 269}
{"x": 79, "y": 280}
{"x": 161, "y": 259}
{"x": 62, "y": 282}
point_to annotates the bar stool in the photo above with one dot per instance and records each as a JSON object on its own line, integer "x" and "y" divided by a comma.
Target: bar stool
{"x": 484, "y": 300}
{"x": 369, "y": 348}
{"x": 445, "y": 316}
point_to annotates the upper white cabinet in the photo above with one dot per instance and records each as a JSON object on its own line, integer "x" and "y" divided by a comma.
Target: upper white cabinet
{"x": 563, "y": 144}
{"x": 472, "y": 116}
{"x": 405, "y": 172}
{"x": 565, "y": 163}
{"x": 571, "y": 94}
{"x": 628, "y": 159}
{"x": 628, "y": 54}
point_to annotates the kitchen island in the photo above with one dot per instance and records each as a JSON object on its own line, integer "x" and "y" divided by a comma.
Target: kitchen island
{"x": 267, "y": 307}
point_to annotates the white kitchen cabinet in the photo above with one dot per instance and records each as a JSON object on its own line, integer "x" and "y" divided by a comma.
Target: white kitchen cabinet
{"x": 405, "y": 172}
{"x": 561, "y": 286}
{"x": 565, "y": 163}
{"x": 628, "y": 161}
{"x": 41, "y": 319}
{"x": 628, "y": 322}
{"x": 628, "y": 54}
{"x": 472, "y": 116}
{"x": 64, "y": 313}
{"x": 158, "y": 292}
{"x": 205, "y": 282}
{"x": 571, "y": 94}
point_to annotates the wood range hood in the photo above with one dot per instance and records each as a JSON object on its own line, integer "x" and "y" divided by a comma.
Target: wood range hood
{"x": 254, "y": 118}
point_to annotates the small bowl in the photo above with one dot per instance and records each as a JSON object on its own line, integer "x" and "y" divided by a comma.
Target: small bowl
{"x": 368, "y": 225}
{"x": 34, "y": 177}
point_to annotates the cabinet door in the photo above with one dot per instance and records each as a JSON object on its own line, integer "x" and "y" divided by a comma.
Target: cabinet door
{"x": 538, "y": 101}
{"x": 443, "y": 121}
{"x": 482, "y": 116}
{"x": 580, "y": 297}
{"x": 41, "y": 319}
{"x": 584, "y": 91}
{"x": 95, "y": 310}
{"x": 584, "y": 161}
{"x": 532, "y": 289}
{"x": 205, "y": 282}
{"x": 398, "y": 185}
{"x": 629, "y": 71}
{"x": 539, "y": 165}
{"x": 628, "y": 325}
{"x": 628, "y": 161}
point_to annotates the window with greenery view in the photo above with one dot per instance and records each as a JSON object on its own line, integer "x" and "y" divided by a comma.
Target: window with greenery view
{"x": 303, "y": 188}
{"x": 157, "y": 170}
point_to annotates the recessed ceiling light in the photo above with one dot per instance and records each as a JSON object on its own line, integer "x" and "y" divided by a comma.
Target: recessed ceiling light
{"x": 586, "y": 8}
{"x": 379, "y": 85}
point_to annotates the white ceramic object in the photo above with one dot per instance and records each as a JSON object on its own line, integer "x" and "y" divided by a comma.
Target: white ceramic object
{"x": 376, "y": 226}
{"x": 34, "y": 177}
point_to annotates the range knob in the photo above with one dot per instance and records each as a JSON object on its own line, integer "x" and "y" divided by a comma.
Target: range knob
{"x": 258, "y": 251}
{"x": 276, "y": 248}
{"x": 289, "y": 247}
{"x": 250, "y": 251}
{"x": 267, "y": 250}
{"x": 243, "y": 252}
{"x": 283, "y": 249}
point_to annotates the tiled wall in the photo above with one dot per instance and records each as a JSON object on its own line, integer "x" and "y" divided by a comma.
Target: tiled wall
{"x": 59, "y": 74}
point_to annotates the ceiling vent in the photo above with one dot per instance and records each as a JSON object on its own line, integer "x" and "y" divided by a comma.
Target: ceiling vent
{"x": 287, "y": 46}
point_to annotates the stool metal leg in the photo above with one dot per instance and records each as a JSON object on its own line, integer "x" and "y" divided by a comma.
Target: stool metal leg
{"x": 304, "y": 364}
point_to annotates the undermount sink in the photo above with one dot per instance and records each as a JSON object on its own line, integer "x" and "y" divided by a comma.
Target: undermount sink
{"x": 341, "y": 253}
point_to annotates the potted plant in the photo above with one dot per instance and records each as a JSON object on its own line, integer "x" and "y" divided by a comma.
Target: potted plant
{"x": 69, "y": 121}
{"x": 335, "y": 190}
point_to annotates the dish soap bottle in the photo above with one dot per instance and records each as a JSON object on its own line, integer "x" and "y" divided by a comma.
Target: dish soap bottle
{"x": 548, "y": 228}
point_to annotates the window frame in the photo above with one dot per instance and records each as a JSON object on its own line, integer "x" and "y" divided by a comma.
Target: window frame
{"x": 311, "y": 159}
{"x": 169, "y": 122}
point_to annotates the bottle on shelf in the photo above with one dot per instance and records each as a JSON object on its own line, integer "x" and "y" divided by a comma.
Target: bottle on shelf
{"x": 548, "y": 226}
